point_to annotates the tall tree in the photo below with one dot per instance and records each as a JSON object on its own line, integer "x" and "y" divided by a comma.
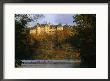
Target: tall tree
{"x": 22, "y": 48}
{"x": 85, "y": 39}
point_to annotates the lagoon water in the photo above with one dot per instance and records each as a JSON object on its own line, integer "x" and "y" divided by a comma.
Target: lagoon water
{"x": 50, "y": 64}
{"x": 77, "y": 65}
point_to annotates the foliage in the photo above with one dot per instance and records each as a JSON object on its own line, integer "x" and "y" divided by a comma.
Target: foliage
{"x": 22, "y": 47}
{"x": 85, "y": 39}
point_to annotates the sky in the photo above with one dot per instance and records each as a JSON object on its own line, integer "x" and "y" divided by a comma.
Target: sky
{"x": 54, "y": 19}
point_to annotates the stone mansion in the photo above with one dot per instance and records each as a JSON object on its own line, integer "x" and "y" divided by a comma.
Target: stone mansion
{"x": 45, "y": 28}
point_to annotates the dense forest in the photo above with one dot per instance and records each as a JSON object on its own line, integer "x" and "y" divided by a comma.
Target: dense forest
{"x": 73, "y": 42}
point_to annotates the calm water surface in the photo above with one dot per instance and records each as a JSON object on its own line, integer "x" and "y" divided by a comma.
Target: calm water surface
{"x": 67, "y": 64}
{"x": 75, "y": 65}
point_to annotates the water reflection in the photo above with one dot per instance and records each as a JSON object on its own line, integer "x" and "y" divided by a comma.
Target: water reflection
{"x": 51, "y": 64}
{"x": 75, "y": 65}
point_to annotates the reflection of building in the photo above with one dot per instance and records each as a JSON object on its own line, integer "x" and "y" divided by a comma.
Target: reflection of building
{"x": 45, "y": 28}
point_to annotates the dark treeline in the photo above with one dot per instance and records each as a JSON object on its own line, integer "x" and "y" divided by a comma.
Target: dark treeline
{"x": 85, "y": 40}
{"x": 22, "y": 49}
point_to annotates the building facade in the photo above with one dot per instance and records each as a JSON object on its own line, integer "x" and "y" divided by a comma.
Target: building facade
{"x": 45, "y": 28}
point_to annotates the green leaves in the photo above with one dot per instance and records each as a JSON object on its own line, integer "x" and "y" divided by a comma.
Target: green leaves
{"x": 85, "y": 40}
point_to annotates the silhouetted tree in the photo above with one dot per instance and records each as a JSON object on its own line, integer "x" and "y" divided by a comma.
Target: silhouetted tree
{"x": 22, "y": 47}
{"x": 85, "y": 39}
